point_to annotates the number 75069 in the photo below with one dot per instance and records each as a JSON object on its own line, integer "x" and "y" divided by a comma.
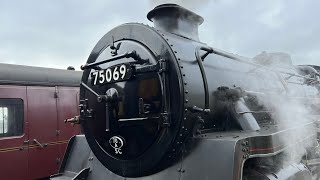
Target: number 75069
{"x": 112, "y": 74}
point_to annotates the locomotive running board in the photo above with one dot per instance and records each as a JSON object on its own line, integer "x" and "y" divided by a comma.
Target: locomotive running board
{"x": 225, "y": 151}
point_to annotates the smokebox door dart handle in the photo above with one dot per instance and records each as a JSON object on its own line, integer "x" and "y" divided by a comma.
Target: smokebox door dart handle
{"x": 110, "y": 96}
{"x": 89, "y": 89}
{"x": 131, "y": 54}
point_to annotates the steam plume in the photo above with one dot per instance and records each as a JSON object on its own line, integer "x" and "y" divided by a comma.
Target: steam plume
{"x": 291, "y": 107}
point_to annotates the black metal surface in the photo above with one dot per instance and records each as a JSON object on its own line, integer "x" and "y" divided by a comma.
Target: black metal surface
{"x": 27, "y": 75}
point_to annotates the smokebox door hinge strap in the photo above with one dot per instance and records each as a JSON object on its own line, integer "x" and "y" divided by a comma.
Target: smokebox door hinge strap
{"x": 132, "y": 54}
{"x": 164, "y": 120}
{"x": 163, "y": 65}
{"x": 160, "y": 67}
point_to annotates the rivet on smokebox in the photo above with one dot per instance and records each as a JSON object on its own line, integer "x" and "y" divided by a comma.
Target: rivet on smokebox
{"x": 187, "y": 100}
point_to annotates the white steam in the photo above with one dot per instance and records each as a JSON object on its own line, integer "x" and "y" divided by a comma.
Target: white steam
{"x": 293, "y": 114}
{"x": 291, "y": 108}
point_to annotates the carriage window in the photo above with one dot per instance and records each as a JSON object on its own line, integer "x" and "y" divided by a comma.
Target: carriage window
{"x": 11, "y": 117}
{"x": 3, "y": 120}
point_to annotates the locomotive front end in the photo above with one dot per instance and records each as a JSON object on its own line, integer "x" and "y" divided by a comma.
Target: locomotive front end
{"x": 133, "y": 96}
{"x": 156, "y": 99}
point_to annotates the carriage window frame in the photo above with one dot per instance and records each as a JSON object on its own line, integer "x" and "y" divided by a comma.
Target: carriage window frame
{"x": 11, "y": 117}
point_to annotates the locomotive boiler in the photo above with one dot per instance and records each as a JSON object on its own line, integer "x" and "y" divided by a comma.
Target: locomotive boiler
{"x": 157, "y": 103}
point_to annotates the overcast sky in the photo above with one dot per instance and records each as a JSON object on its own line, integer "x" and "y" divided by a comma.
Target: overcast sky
{"x": 59, "y": 33}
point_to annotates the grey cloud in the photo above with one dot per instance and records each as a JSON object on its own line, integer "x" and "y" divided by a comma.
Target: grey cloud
{"x": 61, "y": 33}
{"x": 249, "y": 27}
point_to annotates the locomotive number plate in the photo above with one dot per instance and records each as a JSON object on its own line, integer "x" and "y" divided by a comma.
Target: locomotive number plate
{"x": 112, "y": 74}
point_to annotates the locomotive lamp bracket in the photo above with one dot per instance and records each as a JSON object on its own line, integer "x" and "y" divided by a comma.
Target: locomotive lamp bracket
{"x": 84, "y": 111}
{"x": 114, "y": 49}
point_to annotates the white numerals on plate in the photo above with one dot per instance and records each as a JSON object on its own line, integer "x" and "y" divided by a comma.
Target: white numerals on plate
{"x": 109, "y": 75}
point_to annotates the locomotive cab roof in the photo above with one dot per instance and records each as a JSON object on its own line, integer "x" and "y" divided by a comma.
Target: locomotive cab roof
{"x": 29, "y": 75}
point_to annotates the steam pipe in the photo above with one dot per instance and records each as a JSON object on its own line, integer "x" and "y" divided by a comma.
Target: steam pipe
{"x": 204, "y": 77}
{"x": 244, "y": 116}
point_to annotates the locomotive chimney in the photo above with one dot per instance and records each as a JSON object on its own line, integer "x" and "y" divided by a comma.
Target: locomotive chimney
{"x": 176, "y": 19}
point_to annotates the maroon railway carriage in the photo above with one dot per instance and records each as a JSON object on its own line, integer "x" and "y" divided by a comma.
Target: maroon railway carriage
{"x": 33, "y": 105}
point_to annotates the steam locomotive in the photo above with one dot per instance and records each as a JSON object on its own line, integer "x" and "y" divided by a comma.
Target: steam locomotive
{"x": 157, "y": 103}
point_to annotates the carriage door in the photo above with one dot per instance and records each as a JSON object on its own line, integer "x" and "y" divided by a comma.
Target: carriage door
{"x": 42, "y": 116}
{"x": 67, "y": 106}
{"x": 13, "y": 133}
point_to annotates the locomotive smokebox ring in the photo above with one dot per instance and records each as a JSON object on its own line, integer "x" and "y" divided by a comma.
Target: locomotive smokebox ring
{"x": 150, "y": 107}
